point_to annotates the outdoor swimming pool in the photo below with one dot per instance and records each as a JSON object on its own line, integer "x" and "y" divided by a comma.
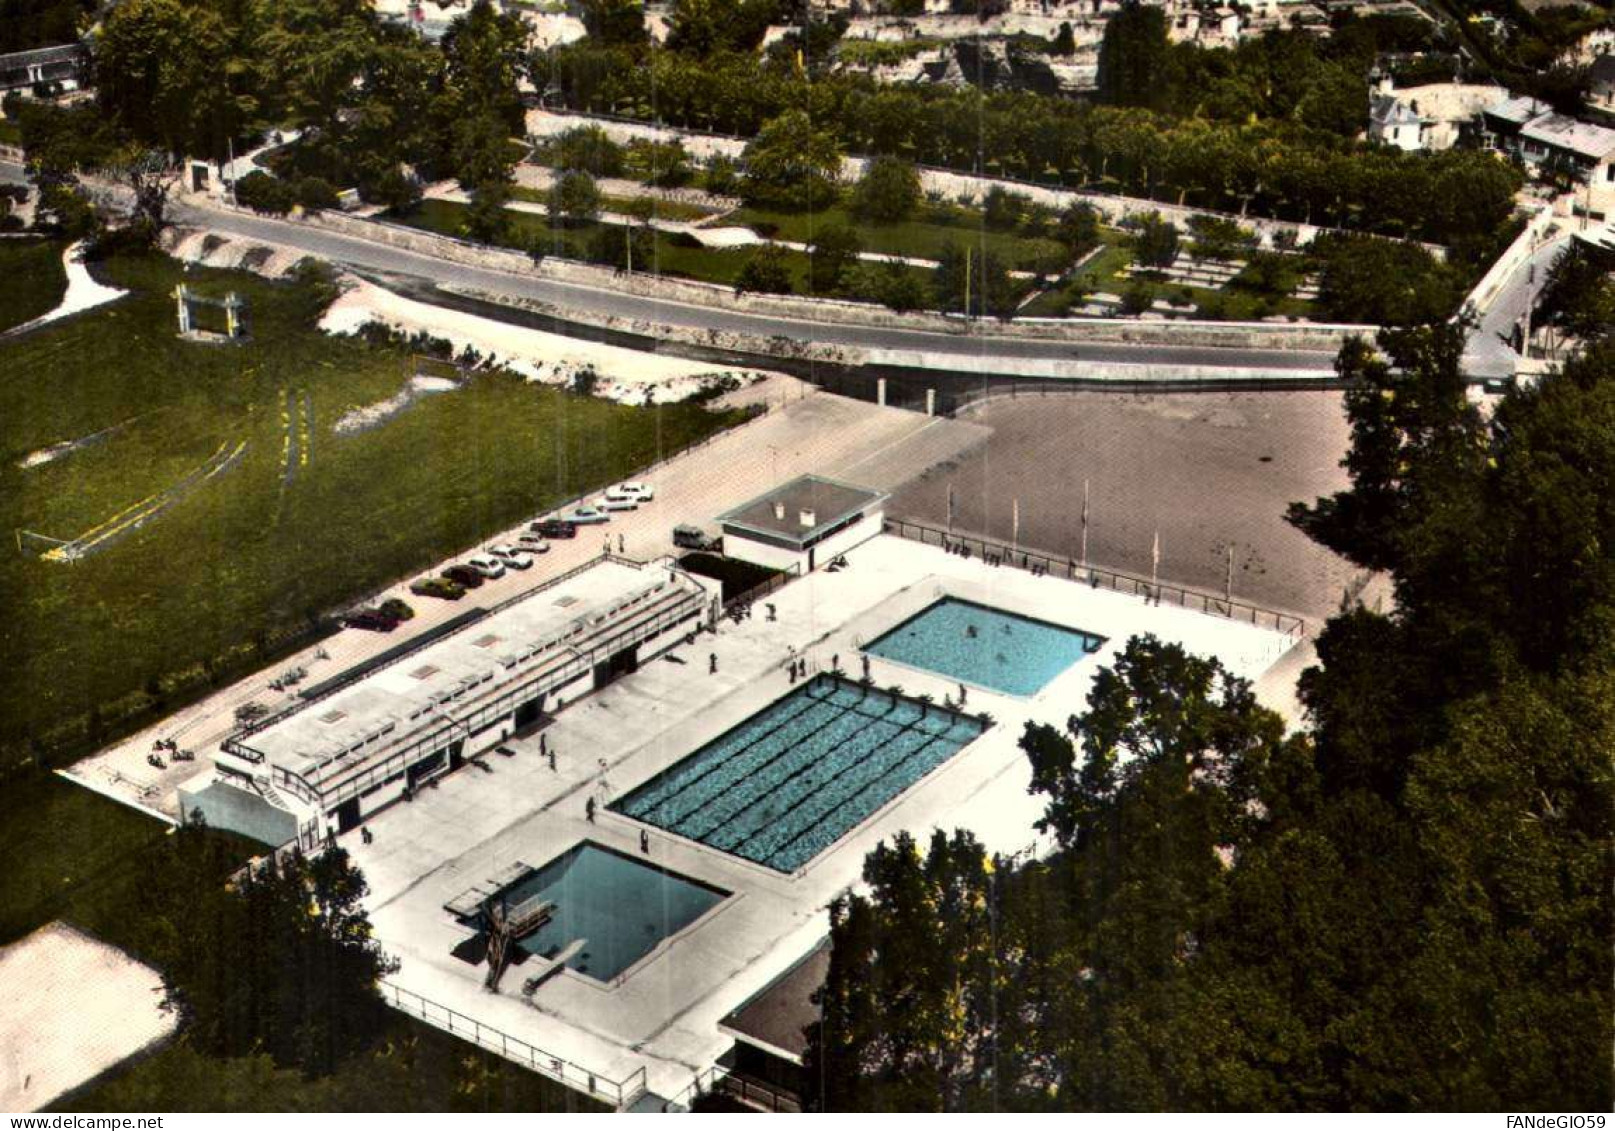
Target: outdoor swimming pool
{"x": 795, "y": 777}
{"x": 619, "y": 906}
{"x": 987, "y": 647}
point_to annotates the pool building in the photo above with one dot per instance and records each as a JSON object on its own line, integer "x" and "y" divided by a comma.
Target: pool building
{"x": 379, "y": 732}
{"x": 663, "y": 877}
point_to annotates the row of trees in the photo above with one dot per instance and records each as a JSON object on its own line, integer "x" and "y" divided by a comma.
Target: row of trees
{"x": 200, "y": 77}
{"x": 1405, "y": 906}
{"x": 1276, "y": 168}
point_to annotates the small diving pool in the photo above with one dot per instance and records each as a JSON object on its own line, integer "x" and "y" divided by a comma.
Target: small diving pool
{"x": 986, "y": 647}
{"x": 796, "y": 776}
{"x": 621, "y": 907}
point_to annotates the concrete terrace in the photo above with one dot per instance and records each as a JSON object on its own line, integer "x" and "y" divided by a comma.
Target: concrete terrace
{"x": 662, "y": 1014}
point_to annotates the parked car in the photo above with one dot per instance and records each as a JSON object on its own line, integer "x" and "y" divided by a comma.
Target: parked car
{"x": 464, "y": 576}
{"x": 397, "y": 608}
{"x": 438, "y": 587}
{"x": 533, "y": 543}
{"x": 610, "y": 502}
{"x": 588, "y": 516}
{"x": 644, "y": 490}
{"x": 372, "y": 619}
{"x": 555, "y": 528}
{"x": 687, "y": 537}
{"x": 511, "y": 556}
{"x": 487, "y": 565}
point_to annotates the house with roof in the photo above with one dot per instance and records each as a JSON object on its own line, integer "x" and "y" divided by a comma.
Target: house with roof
{"x": 1601, "y": 86}
{"x": 1552, "y": 144}
{"x": 43, "y": 69}
{"x": 1395, "y": 122}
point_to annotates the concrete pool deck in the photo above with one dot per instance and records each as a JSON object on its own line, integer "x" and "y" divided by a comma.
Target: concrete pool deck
{"x": 661, "y": 1015}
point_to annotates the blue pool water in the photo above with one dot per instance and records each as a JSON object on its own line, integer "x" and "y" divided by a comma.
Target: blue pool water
{"x": 621, "y": 907}
{"x": 984, "y": 646}
{"x": 791, "y": 780}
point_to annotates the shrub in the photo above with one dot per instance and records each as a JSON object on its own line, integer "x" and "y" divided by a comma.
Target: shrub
{"x": 1136, "y": 298}
{"x": 888, "y": 191}
{"x": 264, "y": 193}
{"x": 573, "y": 196}
{"x": 315, "y": 194}
{"x": 1003, "y": 209}
{"x": 722, "y": 177}
{"x": 586, "y": 149}
{"x": 765, "y": 271}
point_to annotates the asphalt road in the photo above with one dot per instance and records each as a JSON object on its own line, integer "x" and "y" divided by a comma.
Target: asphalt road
{"x": 971, "y": 349}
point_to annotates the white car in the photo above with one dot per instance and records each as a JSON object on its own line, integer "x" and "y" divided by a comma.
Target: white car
{"x": 533, "y": 543}
{"x": 511, "y": 556}
{"x": 644, "y": 491}
{"x": 587, "y": 516}
{"x": 487, "y": 565}
{"x": 611, "y": 501}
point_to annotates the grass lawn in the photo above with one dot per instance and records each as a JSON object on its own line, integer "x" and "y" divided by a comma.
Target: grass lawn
{"x": 10, "y": 132}
{"x": 246, "y": 559}
{"x": 35, "y": 280}
{"x": 922, "y": 237}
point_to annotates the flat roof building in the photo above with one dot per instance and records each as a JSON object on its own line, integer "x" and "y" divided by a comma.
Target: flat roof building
{"x": 380, "y": 731}
{"x": 802, "y": 524}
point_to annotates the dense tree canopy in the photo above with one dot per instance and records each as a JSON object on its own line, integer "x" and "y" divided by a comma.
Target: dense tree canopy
{"x": 1407, "y": 905}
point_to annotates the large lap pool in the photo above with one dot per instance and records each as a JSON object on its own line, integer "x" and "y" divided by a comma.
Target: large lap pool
{"x": 619, "y": 906}
{"x": 794, "y": 778}
{"x": 986, "y": 647}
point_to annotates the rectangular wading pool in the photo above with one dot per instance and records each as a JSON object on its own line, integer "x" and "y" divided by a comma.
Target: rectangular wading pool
{"x": 618, "y": 906}
{"x": 798, "y": 775}
{"x": 984, "y": 646}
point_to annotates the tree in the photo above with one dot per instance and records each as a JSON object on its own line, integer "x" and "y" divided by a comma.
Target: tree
{"x": 1078, "y": 227}
{"x": 1002, "y": 209}
{"x": 623, "y": 247}
{"x": 1065, "y": 41}
{"x": 1133, "y": 57}
{"x": 1383, "y": 282}
{"x": 573, "y": 196}
{"x": 1155, "y": 241}
{"x": 791, "y": 164}
{"x": 834, "y": 254}
{"x": 586, "y": 148}
{"x": 485, "y": 217}
{"x": 616, "y": 23}
{"x": 974, "y": 281}
{"x": 1578, "y": 294}
{"x": 888, "y": 191}
{"x": 894, "y": 285}
{"x": 765, "y": 271}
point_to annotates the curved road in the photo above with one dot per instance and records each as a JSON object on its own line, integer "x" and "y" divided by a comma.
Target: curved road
{"x": 976, "y": 352}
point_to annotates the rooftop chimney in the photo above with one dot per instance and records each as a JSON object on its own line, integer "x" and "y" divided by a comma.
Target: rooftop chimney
{"x": 808, "y": 519}
{"x": 779, "y": 511}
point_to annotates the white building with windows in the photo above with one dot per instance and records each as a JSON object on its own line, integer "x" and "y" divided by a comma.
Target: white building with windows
{"x": 377, "y": 733}
{"x": 802, "y": 525}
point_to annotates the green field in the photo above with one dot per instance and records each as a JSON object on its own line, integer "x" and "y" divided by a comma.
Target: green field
{"x": 213, "y": 584}
{"x": 35, "y": 280}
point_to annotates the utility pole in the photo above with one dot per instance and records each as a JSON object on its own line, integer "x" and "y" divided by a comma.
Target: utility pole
{"x": 1228, "y": 583}
{"x": 967, "y": 282}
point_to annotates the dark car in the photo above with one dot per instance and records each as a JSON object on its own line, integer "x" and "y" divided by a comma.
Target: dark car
{"x": 555, "y": 528}
{"x": 464, "y": 576}
{"x": 373, "y": 619}
{"x": 438, "y": 587}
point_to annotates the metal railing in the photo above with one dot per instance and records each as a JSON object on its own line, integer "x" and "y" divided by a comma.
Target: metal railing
{"x": 764, "y": 588}
{"x": 621, "y": 1093}
{"x": 722, "y": 1081}
{"x": 1004, "y": 554}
